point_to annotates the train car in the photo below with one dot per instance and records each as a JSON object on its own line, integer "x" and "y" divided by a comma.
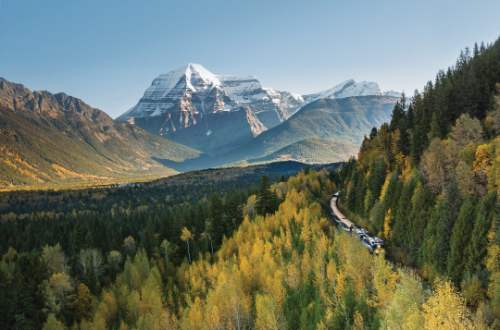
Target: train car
{"x": 373, "y": 243}
{"x": 347, "y": 226}
{"x": 377, "y": 241}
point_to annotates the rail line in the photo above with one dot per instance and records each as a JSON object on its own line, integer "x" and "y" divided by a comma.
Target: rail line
{"x": 371, "y": 242}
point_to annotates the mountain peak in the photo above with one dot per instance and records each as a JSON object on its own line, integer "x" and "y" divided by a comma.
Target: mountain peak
{"x": 196, "y": 72}
{"x": 350, "y": 88}
{"x": 192, "y": 76}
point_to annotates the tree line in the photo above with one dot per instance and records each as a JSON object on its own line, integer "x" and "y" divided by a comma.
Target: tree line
{"x": 428, "y": 181}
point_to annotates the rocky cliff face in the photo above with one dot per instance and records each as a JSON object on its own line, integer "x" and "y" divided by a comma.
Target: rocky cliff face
{"x": 214, "y": 113}
{"x": 192, "y": 98}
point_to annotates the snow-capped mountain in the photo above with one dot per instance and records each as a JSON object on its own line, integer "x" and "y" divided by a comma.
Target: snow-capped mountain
{"x": 350, "y": 88}
{"x": 187, "y": 96}
{"x": 271, "y": 106}
{"x": 214, "y": 112}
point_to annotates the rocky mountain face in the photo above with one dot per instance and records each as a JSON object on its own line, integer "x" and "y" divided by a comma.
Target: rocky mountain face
{"x": 327, "y": 123}
{"x": 193, "y": 99}
{"x": 215, "y": 113}
{"x": 322, "y": 131}
{"x": 56, "y": 138}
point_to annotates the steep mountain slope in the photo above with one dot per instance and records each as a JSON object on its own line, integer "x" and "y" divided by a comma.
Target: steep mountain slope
{"x": 332, "y": 128}
{"x": 226, "y": 116}
{"x": 344, "y": 121}
{"x": 56, "y": 138}
{"x": 311, "y": 150}
{"x": 220, "y": 132}
{"x": 195, "y": 100}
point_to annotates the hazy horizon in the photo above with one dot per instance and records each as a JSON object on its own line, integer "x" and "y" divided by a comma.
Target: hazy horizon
{"x": 108, "y": 54}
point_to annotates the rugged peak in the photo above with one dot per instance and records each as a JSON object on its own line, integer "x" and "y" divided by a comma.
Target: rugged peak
{"x": 17, "y": 97}
{"x": 193, "y": 77}
{"x": 349, "y": 88}
{"x": 184, "y": 97}
{"x": 197, "y": 71}
{"x": 7, "y": 86}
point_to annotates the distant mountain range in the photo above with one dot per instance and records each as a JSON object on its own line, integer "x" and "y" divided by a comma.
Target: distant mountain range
{"x": 325, "y": 130}
{"x": 206, "y": 111}
{"x": 234, "y": 119}
{"x": 187, "y": 119}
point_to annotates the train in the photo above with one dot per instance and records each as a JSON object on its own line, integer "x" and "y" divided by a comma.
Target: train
{"x": 371, "y": 242}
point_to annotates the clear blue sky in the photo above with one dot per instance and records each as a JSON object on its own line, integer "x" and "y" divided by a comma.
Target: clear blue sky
{"x": 108, "y": 51}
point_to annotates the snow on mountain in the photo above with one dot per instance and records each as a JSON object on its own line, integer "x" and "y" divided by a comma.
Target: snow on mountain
{"x": 270, "y": 105}
{"x": 392, "y": 93}
{"x": 347, "y": 88}
{"x": 241, "y": 89}
{"x": 183, "y": 97}
{"x": 196, "y": 78}
{"x": 194, "y": 106}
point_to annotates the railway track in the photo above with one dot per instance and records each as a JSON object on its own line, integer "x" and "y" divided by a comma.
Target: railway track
{"x": 371, "y": 242}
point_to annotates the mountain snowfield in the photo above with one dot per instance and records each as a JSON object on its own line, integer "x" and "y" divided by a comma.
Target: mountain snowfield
{"x": 185, "y": 97}
{"x": 216, "y": 112}
{"x": 351, "y": 88}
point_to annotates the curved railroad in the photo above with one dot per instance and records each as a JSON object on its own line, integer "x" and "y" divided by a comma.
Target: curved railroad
{"x": 371, "y": 242}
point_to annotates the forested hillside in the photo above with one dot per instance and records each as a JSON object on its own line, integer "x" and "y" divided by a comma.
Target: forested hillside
{"x": 429, "y": 181}
{"x": 285, "y": 267}
{"x": 62, "y": 248}
{"x": 49, "y": 140}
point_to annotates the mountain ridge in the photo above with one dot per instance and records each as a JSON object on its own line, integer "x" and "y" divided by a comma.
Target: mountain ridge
{"x": 49, "y": 138}
{"x": 192, "y": 98}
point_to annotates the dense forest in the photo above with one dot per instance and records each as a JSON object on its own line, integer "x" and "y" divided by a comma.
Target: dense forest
{"x": 60, "y": 247}
{"x": 285, "y": 267}
{"x": 243, "y": 253}
{"x": 428, "y": 181}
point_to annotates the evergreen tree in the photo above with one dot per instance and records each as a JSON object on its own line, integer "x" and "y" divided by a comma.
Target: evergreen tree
{"x": 267, "y": 201}
{"x": 459, "y": 241}
{"x": 435, "y": 247}
{"x": 476, "y": 249}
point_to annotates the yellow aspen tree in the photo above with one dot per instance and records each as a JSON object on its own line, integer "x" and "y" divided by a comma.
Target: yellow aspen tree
{"x": 123, "y": 326}
{"x": 384, "y": 281}
{"x": 293, "y": 273}
{"x": 247, "y": 273}
{"x": 404, "y": 309}
{"x": 194, "y": 318}
{"x": 306, "y": 264}
{"x": 340, "y": 284}
{"x": 445, "y": 309}
{"x": 186, "y": 236}
{"x": 358, "y": 322}
{"x": 53, "y": 324}
{"x": 482, "y": 158}
{"x": 268, "y": 313}
{"x": 321, "y": 325}
{"x": 278, "y": 291}
{"x": 213, "y": 318}
{"x": 331, "y": 271}
{"x": 385, "y": 186}
{"x": 387, "y": 224}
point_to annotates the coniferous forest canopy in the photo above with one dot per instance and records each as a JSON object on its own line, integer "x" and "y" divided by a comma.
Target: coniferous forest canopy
{"x": 263, "y": 253}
